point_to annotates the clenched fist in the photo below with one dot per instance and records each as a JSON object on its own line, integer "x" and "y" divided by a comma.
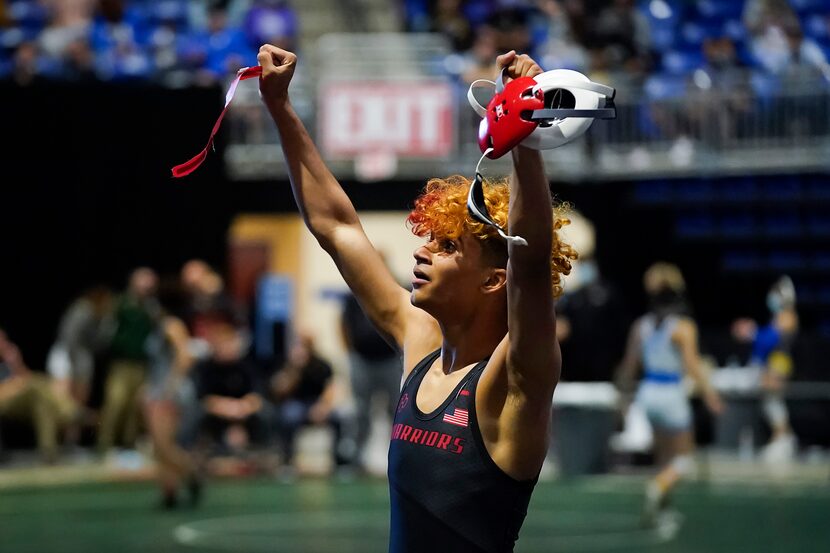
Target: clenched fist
{"x": 518, "y": 65}
{"x": 277, "y": 69}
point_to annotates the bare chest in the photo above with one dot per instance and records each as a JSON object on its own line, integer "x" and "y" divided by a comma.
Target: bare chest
{"x": 436, "y": 387}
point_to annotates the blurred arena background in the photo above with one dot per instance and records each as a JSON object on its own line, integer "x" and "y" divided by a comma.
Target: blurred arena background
{"x": 717, "y": 162}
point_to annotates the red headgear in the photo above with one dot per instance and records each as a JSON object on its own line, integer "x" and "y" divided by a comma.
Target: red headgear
{"x": 503, "y": 127}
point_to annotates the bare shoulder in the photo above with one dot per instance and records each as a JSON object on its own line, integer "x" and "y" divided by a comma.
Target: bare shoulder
{"x": 685, "y": 329}
{"x": 422, "y": 337}
{"x": 686, "y": 324}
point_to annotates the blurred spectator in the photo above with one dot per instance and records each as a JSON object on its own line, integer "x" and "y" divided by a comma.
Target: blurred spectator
{"x": 448, "y": 19}
{"x": 5, "y": 20}
{"x": 271, "y": 22}
{"x": 304, "y": 391}
{"x": 83, "y": 332}
{"x": 135, "y": 314}
{"x": 512, "y": 25}
{"x": 229, "y": 391}
{"x": 207, "y": 298}
{"x": 63, "y": 46}
{"x": 227, "y": 46}
{"x": 560, "y": 50}
{"x": 721, "y": 94}
{"x": 30, "y": 397}
{"x": 590, "y": 351}
{"x": 119, "y": 44}
{"x": 771, "y": 346}
{"x": 621, "y": 39}
{"x": 778, "y": 42}
{"x": 480, "y": 61}
{"x": 664, "y": 344}
{"x": 168, "y": 395}
{"x": 24, "y": 66}
{"x": 375, "y": 369}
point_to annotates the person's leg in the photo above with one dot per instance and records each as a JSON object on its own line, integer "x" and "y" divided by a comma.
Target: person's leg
{"x": 340, "y": 457}
{"x": 293, "y": 414}
{"x": 679, "y": 462}
{"x": 671, "y": 418}
{"x": 161, "y": 429}
{"x": 29, "y": 406}
{"x": 132, "y": 411}
{"x": 162, "y": 423}
{"x": 782, "y": 443}
{"x": 116, "y": 398}
{"x": 362, "y": 394}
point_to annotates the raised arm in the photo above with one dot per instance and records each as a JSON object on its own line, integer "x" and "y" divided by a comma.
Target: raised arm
{"x": 625, "y": 377}
{"x": 685, "y": 337}
{"x": 533, "y": 357}
{"x": 326, "y": 210}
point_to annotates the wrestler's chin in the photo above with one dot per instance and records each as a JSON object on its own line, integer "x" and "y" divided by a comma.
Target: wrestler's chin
{"x": 418, "y": 297}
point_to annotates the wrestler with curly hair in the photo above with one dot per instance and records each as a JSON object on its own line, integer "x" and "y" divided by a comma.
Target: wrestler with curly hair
{"x": 476, "y": 333}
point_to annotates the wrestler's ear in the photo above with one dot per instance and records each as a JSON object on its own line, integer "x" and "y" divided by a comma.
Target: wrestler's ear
{"x": 494, "y": 280}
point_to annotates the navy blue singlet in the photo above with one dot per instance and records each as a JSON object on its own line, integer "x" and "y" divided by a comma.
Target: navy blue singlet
{"x": 447, "y": 493}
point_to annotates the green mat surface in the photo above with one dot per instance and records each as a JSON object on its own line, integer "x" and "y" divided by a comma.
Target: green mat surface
{"x": 311, "y": 516}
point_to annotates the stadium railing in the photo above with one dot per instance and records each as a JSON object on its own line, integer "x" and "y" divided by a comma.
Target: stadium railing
{"x": 378, "y": 91}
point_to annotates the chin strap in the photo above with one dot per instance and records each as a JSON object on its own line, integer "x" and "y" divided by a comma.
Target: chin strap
{"x": 477, "y": 207}
{"x": 193, "y": 163}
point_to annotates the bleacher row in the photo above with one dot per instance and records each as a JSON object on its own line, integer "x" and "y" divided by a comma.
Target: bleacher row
{"x": 150, "y": 39}
{"x": 139, "y": 39}
{"x": 678, "y": 33}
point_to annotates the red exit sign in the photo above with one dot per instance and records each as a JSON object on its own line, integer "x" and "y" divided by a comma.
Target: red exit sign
{"x": 407, "y": 119}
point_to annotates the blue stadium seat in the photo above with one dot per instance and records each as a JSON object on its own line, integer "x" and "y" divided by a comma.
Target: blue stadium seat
{"x": 416, "y": 13}
{"x": 170, "y": 12}
{"x": 654, "y": 192}
{"x": 823, "y": 297}
{"x": 781, "y": 189}
{"x": 5, "y": 66}
{"x": 695, "y": 32}
{"x": 819, "y": 189}
{"x": 821, "y": 262}
{"x": 682, "y": 62}
{"x": 741, "y": 190}
{"x": 477, "y": 11}
{"x": 817, "y": 26}
{"x": 809, "y": 6}
{"x": 228, "y": 50}
{"x": 191, "y": 49}
{"x": 786, "y": 261}
{"x": 742, "y": 261}
{"x": 698, "y": 225}
{"x": 12, "y": 38}
{"x": 783, "y": 225}
{"x": 665, "y": 86}
{"x": 719, "y": 9}
{"x": 695, "y": 191}
{"x": 28, "y": 14}
{"x": 738, "y": 226}
{"x": 819, "y": 225}
{"x": 764, "y": 85}
{"x": 663, "y": 19}
{"x": 734, "y": 29}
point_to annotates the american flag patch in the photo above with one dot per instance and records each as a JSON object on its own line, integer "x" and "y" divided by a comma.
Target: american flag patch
{"x": 458, "y": 418}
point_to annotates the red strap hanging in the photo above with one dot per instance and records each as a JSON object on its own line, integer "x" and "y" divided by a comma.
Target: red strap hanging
{"x": 192, "y": 164}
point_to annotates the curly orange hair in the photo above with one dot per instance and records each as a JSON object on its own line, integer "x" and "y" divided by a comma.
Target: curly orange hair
{"x": 441, "y": 210}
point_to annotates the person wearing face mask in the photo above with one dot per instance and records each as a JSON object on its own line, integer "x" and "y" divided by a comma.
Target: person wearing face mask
{"x": 771, "y": 346}
{"x": 585, "y": 413}
{"x": 664, "y": 343}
